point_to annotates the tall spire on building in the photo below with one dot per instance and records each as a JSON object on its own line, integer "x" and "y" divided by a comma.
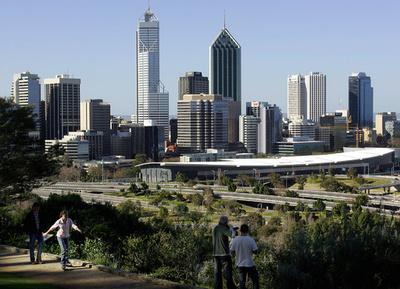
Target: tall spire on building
{"x": 224, "y": 18}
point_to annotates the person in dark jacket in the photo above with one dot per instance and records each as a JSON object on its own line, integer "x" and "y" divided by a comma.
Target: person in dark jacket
{"x": 223, "y": 262}
{"x": 34, "y": 224}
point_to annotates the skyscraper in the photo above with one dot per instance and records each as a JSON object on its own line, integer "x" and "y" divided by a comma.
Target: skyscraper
{"x": 62, "y": 105}
{"x": 152, "y": 99}
{"x": 193, "y": 83}
{"x": 361, "y": 100}
{"x": 268, "y": 125}
{"x": 269, "y": 128}
{"x": 202, "y": 122}
{"x": 296, "y": 97}
{"x": 315, "y": 84}
{"x": 225, "y": 77}
{"x": 25, "y": 91}
{"x": 95, "y": 115}
{"x": 225, "y": 66}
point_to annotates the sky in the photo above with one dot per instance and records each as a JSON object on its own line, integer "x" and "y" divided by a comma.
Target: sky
{"x": 95, "y": 41}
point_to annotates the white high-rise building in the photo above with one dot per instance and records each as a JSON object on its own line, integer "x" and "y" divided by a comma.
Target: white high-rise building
{"x": 25, "y": 91}
{"x": 152, "y": 99}
{"x": 315, "y": 84}
{"x": 296, "y": 97}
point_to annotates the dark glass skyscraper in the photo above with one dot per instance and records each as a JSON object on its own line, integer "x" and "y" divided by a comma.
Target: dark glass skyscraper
{"x": 361, "y": 100}
{"x": 225, "y": 66}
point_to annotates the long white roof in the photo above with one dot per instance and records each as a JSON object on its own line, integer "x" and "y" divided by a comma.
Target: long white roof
{"x": 355, "y": 155}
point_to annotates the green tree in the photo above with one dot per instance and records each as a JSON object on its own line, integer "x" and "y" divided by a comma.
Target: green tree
{"x": 233, "y": 208}
{"x": 255, "y": 221}
{"x": 232, "y": 187}
{"x": 275, "y": 179}
{"x": 300, "y": 207}
{"x": 291, "y": 194}
{"x": 341, "y": 210}
{"x": 242, "y": 178}
{"x": 208, "y": 196}
{"x": 197, "y": 199}
{"x": 163, "y": 212}
{"x": 130, "y": 207}
{"x": 194, "y": 217}
{"x": 319, "y": 205}
{"x": 24, "y": 164}
{"x": 140, "y": 159}
{"x": 322, "y": 174}
{"x": 360, "y": 180}
{"x": 332, "y": 171}
{"x": 314, "y": 177}
{"x": 352, "y": 173}
{"x": 179, "y": 197}
{"x": 225, "y": 181}
{"x": 262, "y": 189}
{"x": 301, "y": 181}
{"x": 182, "y": 178}
{"x": 181, "y": 209}
{"x": 134, "y": 189}
{"x": 361, "y": 200}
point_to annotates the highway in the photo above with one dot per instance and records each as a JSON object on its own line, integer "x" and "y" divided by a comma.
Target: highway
{"x": 307, "y": 197}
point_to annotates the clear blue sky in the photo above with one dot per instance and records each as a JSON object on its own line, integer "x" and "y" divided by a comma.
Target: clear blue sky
{"x": 95, "y": 41}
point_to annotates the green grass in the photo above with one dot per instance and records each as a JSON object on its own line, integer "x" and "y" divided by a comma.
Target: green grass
{"x": 13, "y": 281}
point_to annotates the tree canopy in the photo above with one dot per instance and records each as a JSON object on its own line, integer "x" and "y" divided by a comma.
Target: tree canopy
{"x": 24, "y": 163}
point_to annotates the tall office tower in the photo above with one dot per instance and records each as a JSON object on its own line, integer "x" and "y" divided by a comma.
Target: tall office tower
{"x": 202, "y": 122}
{"x": 25, "y": 91}
{"x": 361, "y": 100}
{"x": 225, "y": 76}
{"x": 152, "y": 99}
{"x": 95, "y": 115}
{"x": 315, "y": 84}
{"x": 63, "y": 98}
{"x": 225, "y": 66}
{"x": 380, "y": 119}
{"x": 269, "y": 127}
{"x": 296, "y": 97}
{"x": 193, "y": 83}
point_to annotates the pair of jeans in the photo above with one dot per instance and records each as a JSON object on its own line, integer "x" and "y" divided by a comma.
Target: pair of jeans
{"x": 64, "y": 245}
{"x": 223, "y": 263}
{"x": 32, "y": 239}
{"x": 253, "y": 274}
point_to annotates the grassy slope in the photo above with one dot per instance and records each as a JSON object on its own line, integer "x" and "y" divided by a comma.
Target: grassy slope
{"x": 13, "y": 281}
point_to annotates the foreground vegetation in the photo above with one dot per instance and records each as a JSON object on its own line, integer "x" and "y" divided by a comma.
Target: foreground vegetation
{"x": 297, "y": 249}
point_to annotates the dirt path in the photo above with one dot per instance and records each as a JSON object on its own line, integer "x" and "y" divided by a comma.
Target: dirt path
{"x": 77, "y": 277}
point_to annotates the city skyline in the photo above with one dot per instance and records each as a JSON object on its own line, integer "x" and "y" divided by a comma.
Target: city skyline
{"x": 96, "y": 43}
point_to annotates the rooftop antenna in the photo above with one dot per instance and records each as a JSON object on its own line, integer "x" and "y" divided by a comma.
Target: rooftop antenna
{"x": 224, "y": 18}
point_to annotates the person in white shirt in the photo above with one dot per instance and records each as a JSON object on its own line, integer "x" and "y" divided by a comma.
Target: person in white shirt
{"x": 63, "y": 224}
{"x": 244, "y": 247}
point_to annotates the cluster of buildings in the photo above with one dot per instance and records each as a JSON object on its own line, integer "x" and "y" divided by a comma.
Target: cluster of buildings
{"x": 209, "y": 112}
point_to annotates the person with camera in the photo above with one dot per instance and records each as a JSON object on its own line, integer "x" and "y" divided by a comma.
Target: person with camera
{"x": 223, "y": 261}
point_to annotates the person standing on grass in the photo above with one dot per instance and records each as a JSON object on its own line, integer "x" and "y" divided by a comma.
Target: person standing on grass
{"x": 223, "y": 260}
{"x": 63, "y": 224}
{"x": 34, "y": 225}
{"x": 244, "y": 247}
